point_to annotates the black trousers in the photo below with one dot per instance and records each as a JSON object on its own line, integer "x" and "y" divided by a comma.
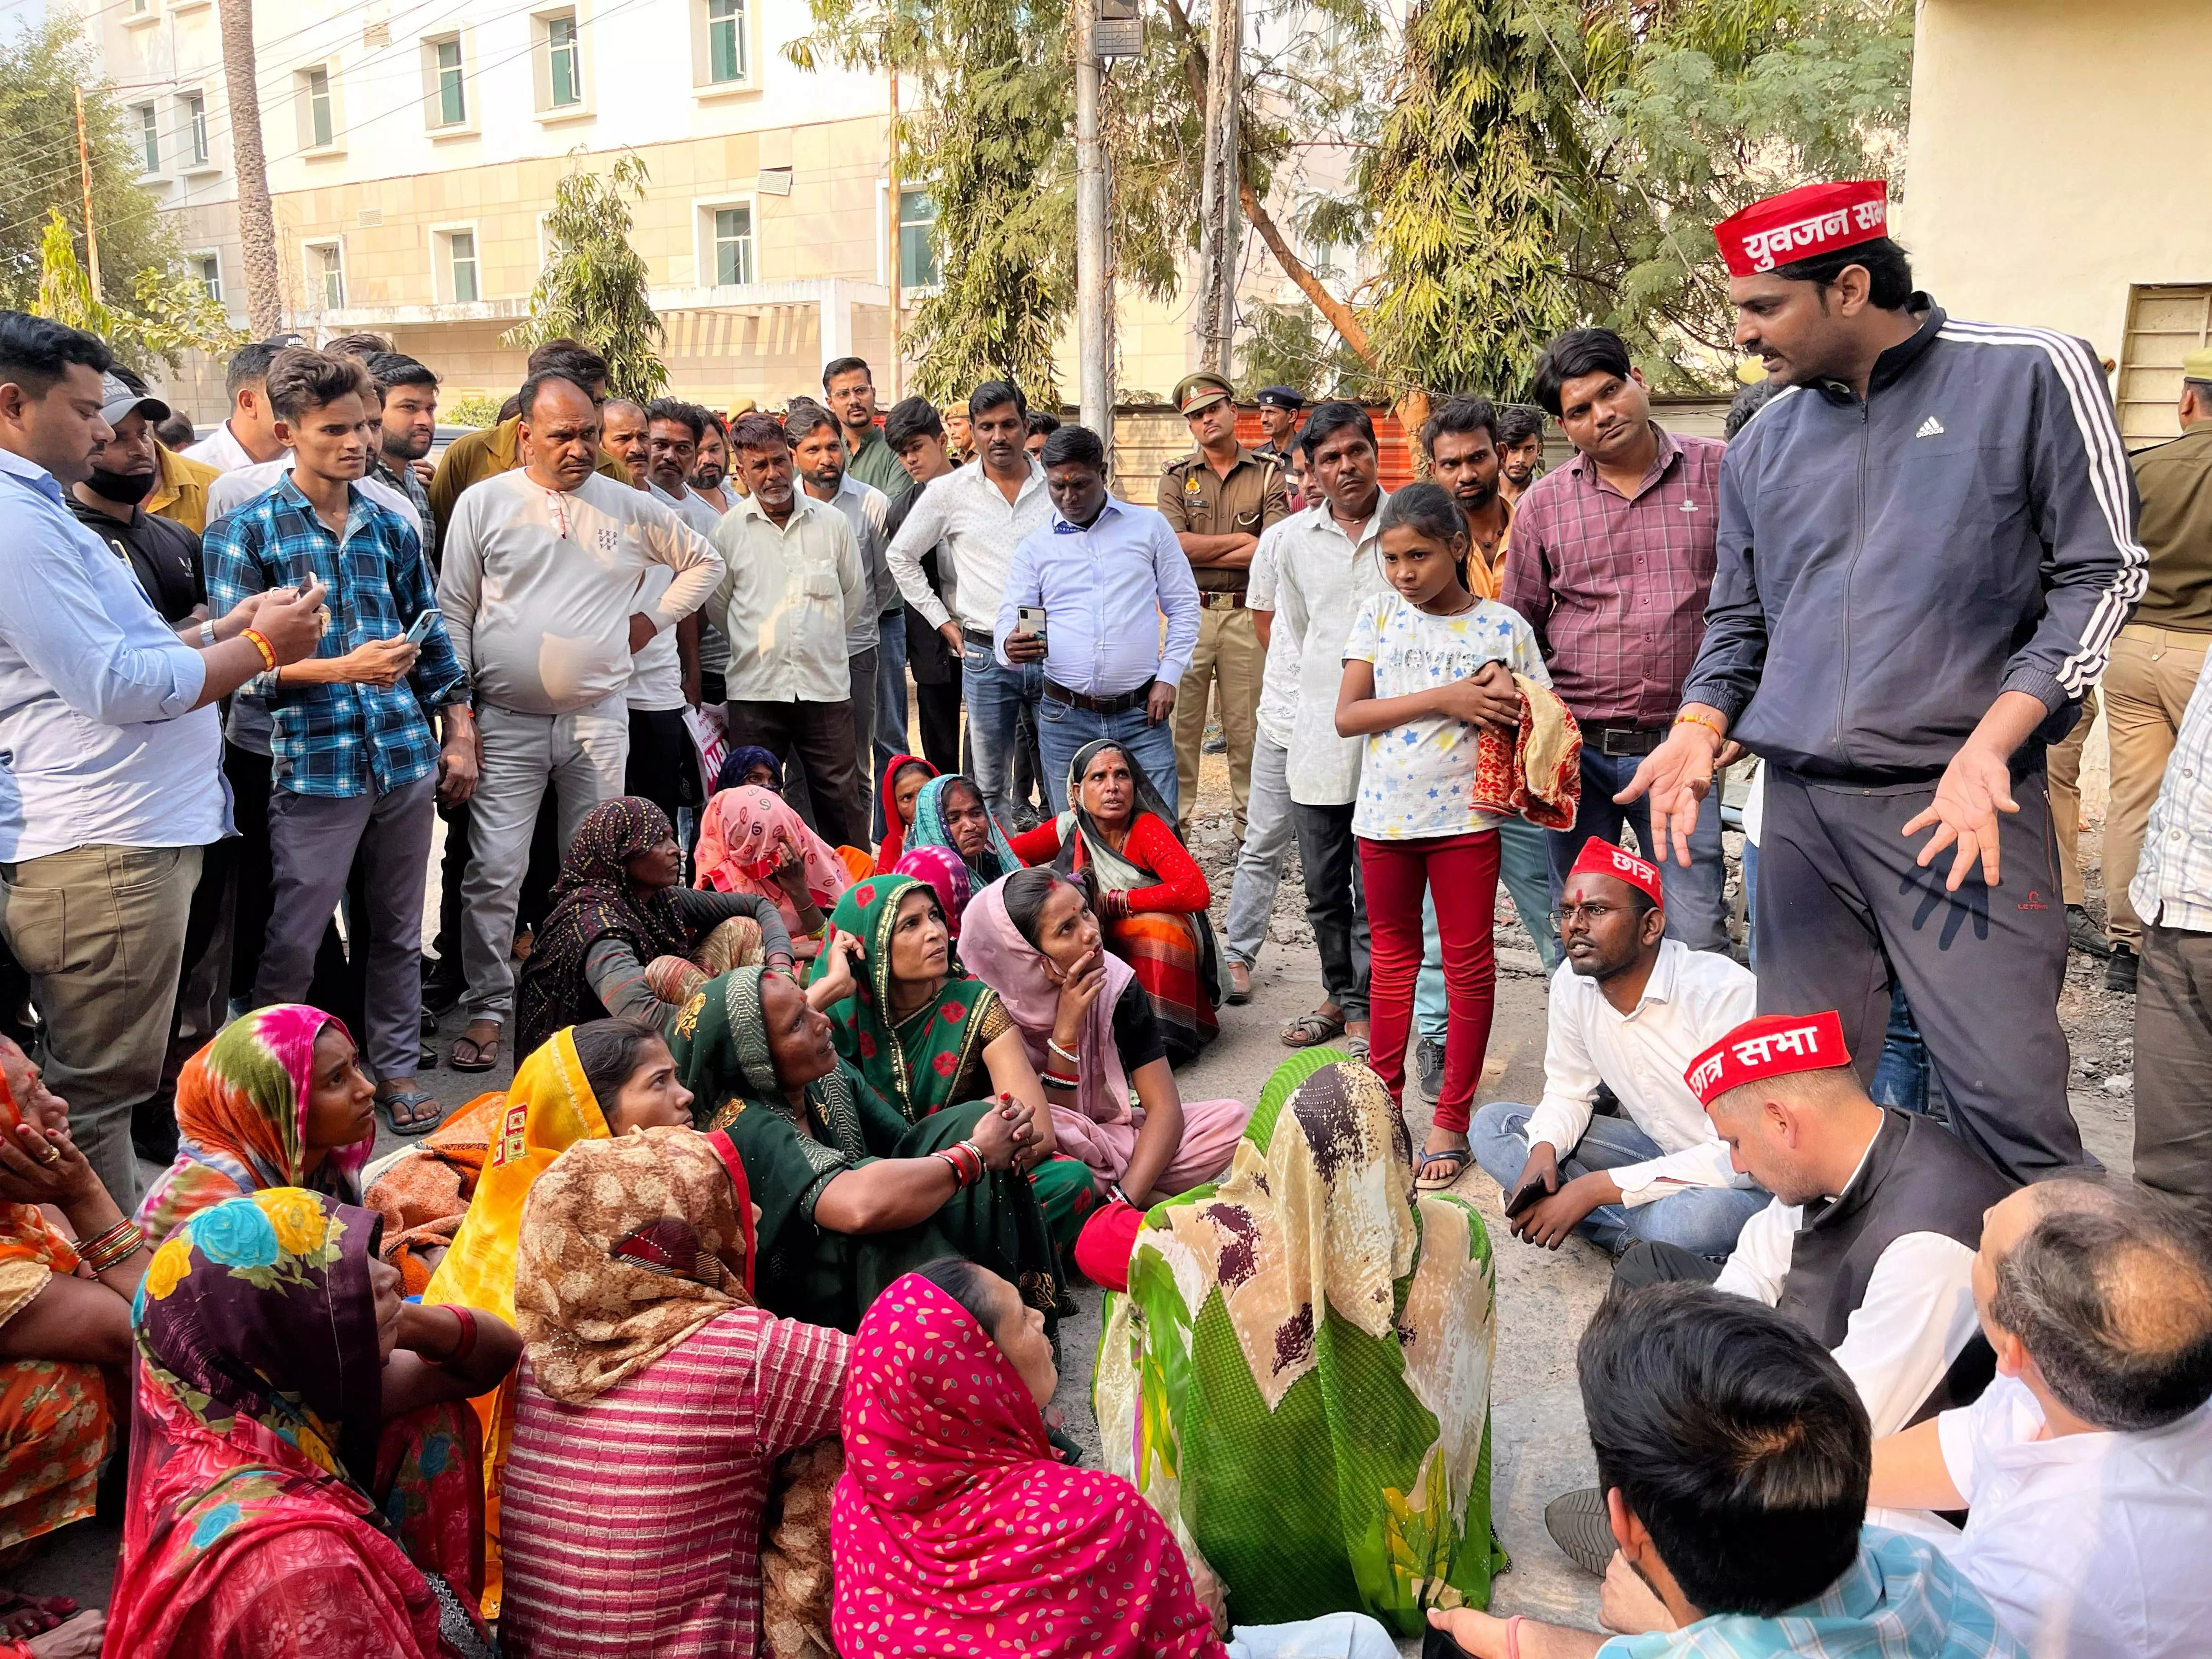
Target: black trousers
{"x": 1651, "y": 1263}
{"x": 1335, "y": 904}
{"x": 819, "y": 736}
{"x": 937, "y": 709}
{"x": 662, "y": 766}
{"x": 249, "y": 776}
{"x": 1844, "y": 911}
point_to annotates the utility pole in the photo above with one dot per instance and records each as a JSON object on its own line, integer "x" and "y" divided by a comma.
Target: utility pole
{"x": 898, "y": 364}
{"x": 84, "y": 167}
{"x": 1094, "y": 299}
{"x": 257, "y": 219}
{"x": 1217, "y": 218}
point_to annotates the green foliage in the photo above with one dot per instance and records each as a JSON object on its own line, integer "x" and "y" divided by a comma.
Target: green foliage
{"x": 167, "y": 314}
{"x": 476, "y": 408}
{"x": 1290, "y": 345}
{"x": 593, "y": 286}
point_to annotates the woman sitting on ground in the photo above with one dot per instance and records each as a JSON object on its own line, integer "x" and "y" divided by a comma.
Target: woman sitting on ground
{"x": 278, "y": 1099}
{"x": 651, "y": 1381}
{"x": 58, "y": 1330}
{"x": 927, "y": 1035}
{"x": 1298, "y": 1377}
{"x": 1089, "y": 1032}
{"x": 1151, "y": 894}
{"x": 904, "y": 781}
{"x": 753, "y": 842}
{"x": 748, "y": 766}
{"x": 957, "y": 1529}
{"x": 303, "y": 1471}
{"x": 949, "y": 812}
{"x": 941, "y": 866}
{"x": 624, "y": 939}
{"x": 851, "y": 1194}
{"x": 610, "y": 1077}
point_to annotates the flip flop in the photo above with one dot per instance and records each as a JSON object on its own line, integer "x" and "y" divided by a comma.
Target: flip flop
{"x": 1458, "y": 1156}
{"x": 486, "y": 1053}
{"x": 1310, "y": 1031}
{"x": 412, "y": 1112}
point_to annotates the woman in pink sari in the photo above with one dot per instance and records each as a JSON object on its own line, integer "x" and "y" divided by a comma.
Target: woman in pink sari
{"x": 1034, "y": 938}
{"x": 753, "y": 842}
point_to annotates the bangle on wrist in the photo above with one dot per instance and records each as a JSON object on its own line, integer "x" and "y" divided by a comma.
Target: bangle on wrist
{"x": 261, "y": 644}
{"x": 467, "y": 1343}
{"x": 117, "y": 1245}
{"x": 1513, "y": 1637}
{"x": 1067, "y": 1054}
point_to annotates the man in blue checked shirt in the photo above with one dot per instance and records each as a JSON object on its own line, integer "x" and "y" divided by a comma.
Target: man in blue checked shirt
{"x": 358, "y": 765}
{"x": 1103, "y": 572}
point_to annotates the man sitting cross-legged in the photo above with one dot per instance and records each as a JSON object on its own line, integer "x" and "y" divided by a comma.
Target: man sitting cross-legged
{"x": 2086, "y": 1465}
{"x": 1733, "y": 1454}
{"x": 1630, "y": 1010}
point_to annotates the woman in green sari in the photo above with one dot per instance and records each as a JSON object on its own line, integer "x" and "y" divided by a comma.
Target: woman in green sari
{"x": 1298, "y": 1377}
{"x": 851, "y": 1194}
{"x": 927, "y": 1036}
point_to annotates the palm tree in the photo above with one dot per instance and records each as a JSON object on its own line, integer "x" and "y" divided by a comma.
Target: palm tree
{"x": 257, "y": 219}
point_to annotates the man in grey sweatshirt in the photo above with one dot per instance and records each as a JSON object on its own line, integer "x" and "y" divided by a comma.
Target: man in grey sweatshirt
{"x": 540, "y": 593}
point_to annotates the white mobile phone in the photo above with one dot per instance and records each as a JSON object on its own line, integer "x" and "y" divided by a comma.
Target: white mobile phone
{"x": 1031, "y": 618}
{"x": 419, "y": 629}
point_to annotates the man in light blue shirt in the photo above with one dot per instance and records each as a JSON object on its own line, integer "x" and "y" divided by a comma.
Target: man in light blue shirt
{"x": 1104, "y": 573}
{"x": 110, "y": 754}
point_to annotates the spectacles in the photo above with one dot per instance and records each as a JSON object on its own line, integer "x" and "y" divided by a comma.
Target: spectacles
{"x": 1593, "y": 915}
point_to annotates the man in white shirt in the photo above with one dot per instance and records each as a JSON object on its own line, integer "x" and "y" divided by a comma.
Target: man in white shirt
{"x": 1630, "y": 1010}
{"x": 541, "y": 595}
{"x": 794, "y": 583}
{"x": 2086, "y": 1467}
{"x": 981, "y": 514}
{"x": 248, "y": 437}
{"x": 1269, "y": 830}
{"x": 1103, "y": 573}
{"x": 817, "y": 453}
{"x": 1328, "y": 562}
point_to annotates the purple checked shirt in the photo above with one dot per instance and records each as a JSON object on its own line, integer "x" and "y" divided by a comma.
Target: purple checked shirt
{"x": 1615, "y": 586}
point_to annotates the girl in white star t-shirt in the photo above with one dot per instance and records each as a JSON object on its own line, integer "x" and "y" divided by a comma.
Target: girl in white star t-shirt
{"x": 1425, "y": 665}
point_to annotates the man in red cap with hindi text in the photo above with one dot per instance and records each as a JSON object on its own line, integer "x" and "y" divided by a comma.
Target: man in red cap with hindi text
{"x": 1869, "y": 1243}
{"x": 1929, "y": 536}
{"x": 1630, "y": 1009}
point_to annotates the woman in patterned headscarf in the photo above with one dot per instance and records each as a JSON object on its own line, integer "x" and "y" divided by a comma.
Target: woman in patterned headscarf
{"x": 1313, "y": 1315}
{"x": 302, "y": 1471}
{"x": 277, "y": 1100}
{"x": 622, "y": 929}
{"x": 949, "y": 812}
{"x": 751, "y": 840}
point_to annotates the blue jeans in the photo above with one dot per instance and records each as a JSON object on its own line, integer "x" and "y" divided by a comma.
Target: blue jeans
{"x": 1062, "y": 730}
{"x": 1696, "y": 898}
{"x": 1703, "y": 1220}
{"x": 995, "y": 695}
{"x": 890, "y": 706}
{"x": 1523, "y": 865}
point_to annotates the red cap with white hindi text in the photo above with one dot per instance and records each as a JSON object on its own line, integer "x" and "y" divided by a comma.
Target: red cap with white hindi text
{"x": 1773, "y": 1045}
{"x": 1601, "y": 857}
{"x": 1800, "y": 223}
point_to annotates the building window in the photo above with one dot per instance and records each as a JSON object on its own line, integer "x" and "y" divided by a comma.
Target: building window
{"x": 461, "y": 265}
{"x": 733, "y": 245}
{"x": 452, "y": 93}
{"x": 322, "y": 131}
{"x": 326, "y": 274}
{"x": 564, "y": 62}
{"x": 725, "y": 41}
{"x": 209, "y": 269}
{"x": 149, "y": 137}
{"x": 196, "y": 133}
{"x": 917, "y": 240}
{"x": 2166, "y": 321}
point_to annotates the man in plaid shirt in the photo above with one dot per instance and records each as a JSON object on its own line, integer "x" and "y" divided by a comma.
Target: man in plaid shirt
{"x": 1611, "y": 563}
{"x": 355, "y": 761}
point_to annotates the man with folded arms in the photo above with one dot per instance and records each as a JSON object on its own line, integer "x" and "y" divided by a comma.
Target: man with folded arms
{"x": 2086, "y": 1467}
{"x": 1630, "y": 1010}
{"x": 1103, "y": 572}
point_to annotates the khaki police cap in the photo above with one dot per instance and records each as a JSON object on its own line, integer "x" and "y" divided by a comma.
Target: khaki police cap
{"x": 1200, "y": 391}
{"x": 2197, "y": 365}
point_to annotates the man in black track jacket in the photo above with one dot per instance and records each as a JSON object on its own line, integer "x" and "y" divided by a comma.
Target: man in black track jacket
{"x": 1927, "y": 544}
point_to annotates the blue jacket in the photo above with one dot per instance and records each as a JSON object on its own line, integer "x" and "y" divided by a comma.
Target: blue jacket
{"x": 1886, "y": 568}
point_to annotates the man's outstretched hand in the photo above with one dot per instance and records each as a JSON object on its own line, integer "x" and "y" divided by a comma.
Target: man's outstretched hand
{"x": 1676, "y": 775}
{"x": 1975, "y": 787}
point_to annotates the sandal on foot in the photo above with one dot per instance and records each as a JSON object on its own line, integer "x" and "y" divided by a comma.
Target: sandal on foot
{"x": 482, "y": 1056}
{"x": 412, "y": 1112}
{"x": 1458, "y": 1156}
{"x": 1579, "y": 1526}
{"x": 1312, "y": 1029}
{"x": 1240, "y": 985}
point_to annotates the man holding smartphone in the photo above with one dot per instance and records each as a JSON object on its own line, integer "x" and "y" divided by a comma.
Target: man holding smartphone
{"x": 1083, "y": 595}
{"x": 356, "y": 764}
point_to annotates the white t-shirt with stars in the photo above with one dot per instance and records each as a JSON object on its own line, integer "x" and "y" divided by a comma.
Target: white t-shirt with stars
{"x": 1415, "y": 780}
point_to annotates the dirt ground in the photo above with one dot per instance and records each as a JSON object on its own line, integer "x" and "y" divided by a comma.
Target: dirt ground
{"x": 1543, "y": 1300}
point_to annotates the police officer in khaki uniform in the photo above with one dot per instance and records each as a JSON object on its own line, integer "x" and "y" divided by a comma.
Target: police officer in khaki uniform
{"x": 1218, "y": 500}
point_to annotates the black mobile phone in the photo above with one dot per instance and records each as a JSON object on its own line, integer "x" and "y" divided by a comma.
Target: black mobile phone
{"x": 1525, "y": 1198}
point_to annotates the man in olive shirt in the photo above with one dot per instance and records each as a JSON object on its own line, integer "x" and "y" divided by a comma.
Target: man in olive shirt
{"x": 490, "y": 450}
{"x": 2158, "y": 654}
{"x": 1218, "y": 499}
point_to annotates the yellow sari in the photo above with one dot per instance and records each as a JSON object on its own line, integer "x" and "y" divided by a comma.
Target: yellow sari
{"x": 549, "y": 1108}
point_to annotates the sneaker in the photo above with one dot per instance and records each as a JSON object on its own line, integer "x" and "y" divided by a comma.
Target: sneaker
{"x": 2084, "y": 935}
{"x": 1429, "y": 1066}
{"x": 2120, "y": 970}
{"x": 1579, "y": 1526}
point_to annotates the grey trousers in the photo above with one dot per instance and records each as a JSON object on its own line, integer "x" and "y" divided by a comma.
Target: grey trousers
{"x": 2173, "y": 1066}
{"x": 1270, "y": 831}
{"x": 1843, "y": 908}
{"x": 100, "y": 931}
{"x": 582, "y": 758}
{"x": 312, "y": 842}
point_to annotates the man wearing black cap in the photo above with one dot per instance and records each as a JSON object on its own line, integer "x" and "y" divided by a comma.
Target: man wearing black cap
{"x": 1280, "y": 407}
{"x": 1218, "y": 499}
{"x": 163, "y": 555}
